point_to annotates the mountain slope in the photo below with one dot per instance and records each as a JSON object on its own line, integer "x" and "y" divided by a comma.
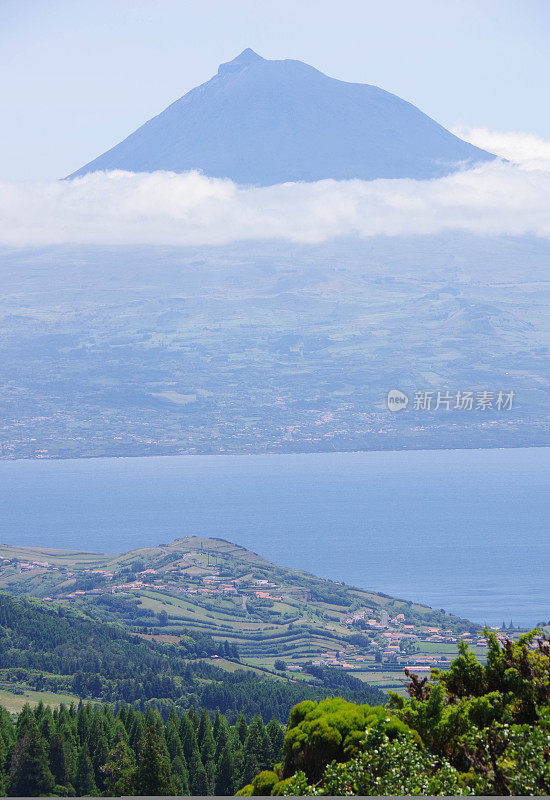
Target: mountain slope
{"x": 264, "y": 122}
{"x": 203, "y": 587}
{"x": 51, "y": 648}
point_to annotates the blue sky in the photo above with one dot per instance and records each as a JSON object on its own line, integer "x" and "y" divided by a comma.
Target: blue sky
{"x": 78, "y": 76}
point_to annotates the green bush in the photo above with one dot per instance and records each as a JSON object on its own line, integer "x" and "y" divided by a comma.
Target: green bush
{"x": 476, "y": 729}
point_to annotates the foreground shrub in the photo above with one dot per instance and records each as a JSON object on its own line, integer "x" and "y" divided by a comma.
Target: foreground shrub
{"x": 398, "y": 767}
{"x": 331, "y": 730}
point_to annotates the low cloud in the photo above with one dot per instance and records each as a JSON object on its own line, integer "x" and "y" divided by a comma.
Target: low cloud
{"x": 168, "y": 208}
{"x": 523, "y": 148}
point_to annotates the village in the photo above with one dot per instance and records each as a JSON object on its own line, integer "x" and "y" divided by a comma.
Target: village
{"x": 279, "y": 620}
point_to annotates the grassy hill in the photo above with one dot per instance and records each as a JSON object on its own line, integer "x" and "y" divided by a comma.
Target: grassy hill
{"x": 63, "y": 655}
{"x": 268, "y": 614}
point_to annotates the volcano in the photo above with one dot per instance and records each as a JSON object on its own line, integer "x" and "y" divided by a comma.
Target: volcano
{"x": 263, "y": 122}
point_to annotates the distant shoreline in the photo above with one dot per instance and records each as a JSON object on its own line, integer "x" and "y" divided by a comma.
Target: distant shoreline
{"x": 4, "y": 459}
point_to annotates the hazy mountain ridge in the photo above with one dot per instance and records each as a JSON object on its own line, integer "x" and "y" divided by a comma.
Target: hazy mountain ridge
{"x": 260, "y": 121}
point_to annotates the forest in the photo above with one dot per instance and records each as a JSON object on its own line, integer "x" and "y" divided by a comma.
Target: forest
{"x": 93, "y": 751}
{"x": 476, "y": 729}
{"x": 59, "y": 650}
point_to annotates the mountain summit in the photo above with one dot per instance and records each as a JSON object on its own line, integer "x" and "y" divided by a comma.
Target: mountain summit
{"x": 260, "y": 121}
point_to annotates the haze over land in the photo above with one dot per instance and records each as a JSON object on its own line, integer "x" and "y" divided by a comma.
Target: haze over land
{"x": 277, "y": 317}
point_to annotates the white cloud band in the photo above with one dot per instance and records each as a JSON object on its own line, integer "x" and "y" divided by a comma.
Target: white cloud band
{"x": 523, "y": 148}
{"x": 169, "y": 208}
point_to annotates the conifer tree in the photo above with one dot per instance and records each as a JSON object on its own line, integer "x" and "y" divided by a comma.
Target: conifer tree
{"x": 195, "y": 766}
{"x": 154, "y": 773}
{"x": 120, "y": 771}
{"x": 84, "y": 721}
{"x": 194, "y": 717}
{"x": 223, "y": 736}
{"x": 60, "y": 761}
{"x": 99, "y": 759}
{"x": 241, "y": 728}
{"x": 277, "y": 737}
{"x": 199, "y": 782}
{"x": 25, "y": 722}
{"x": 85, "y": 778}
{"x": 216, "y": 724}
{"x": 180, "y": 776}
{"x": 207, "y": 745}
{"x": 7, "y": 728}
{"x": 256, "y": 750}
{"x": 30, "y": 773}
{"x": 3, "y": 754}
{"x": 224, "y": 774}
{"x": 204, "y": 724}
{"x": 190, "y": 750}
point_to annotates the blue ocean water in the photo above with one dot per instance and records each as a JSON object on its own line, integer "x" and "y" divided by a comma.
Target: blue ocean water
{"x": 463, "y": 530}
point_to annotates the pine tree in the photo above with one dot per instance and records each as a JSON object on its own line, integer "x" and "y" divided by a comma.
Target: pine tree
{"x": 222, "y": 738}
{"x": 120, "y": 771}
{"x": 173, "y": 718}
{"x": 84, "y": 721}
{"x": 153, "y": 719}
{"x": 195, "y": 766}
{"x": 172, "y": 736}
{"x": 136, "y": 729}
{"x": 207, "y": 746}
{"x": 99, "y": 759}
{"x": 30, "y": 773}
{"x": 180, "y": 776}
{"x": 188, "y": 738}
{"x": 216, "y": 724}
{"x": 25, "y": 722}
{"x": 241, "y": 727}
{"x": 3, "y": 755}
{"x": 173, "y": 743}
{"x": 154, "y": 773}
{"x": 257, "y": 750}
{"x": 7, "y": 728}
{"x": 251, "y": 768}
{"x": 119, "y": 733}
{"x": 46, "y": 724}
{"x": 224, "y": 775}
{"x": 204, "y": 725}
{"x": 60, "y": 763}
{"x": 277, "y": 738}
{"x": 194, "y": 717}
{"x": 199, "y": 782}
{"x": 85, "y": 778}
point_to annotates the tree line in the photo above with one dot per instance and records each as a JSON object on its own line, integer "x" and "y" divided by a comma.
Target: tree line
{"x": 92, "y": 751}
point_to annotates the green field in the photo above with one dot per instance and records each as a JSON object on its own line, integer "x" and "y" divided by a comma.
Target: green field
{"x": 214, "y": 588}
{"x": 14, "y": 702}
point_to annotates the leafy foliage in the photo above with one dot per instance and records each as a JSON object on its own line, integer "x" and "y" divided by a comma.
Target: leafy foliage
{"x": 476, "y": 729}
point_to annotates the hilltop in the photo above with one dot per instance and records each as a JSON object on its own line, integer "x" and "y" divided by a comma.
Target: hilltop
{"x": 261, "y": 121}
{"x": 278, "y": 620}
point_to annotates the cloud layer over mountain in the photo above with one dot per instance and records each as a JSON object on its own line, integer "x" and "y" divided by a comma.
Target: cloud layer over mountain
{"x": 169, "y": 208}
{"x": 523, "y": 148}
